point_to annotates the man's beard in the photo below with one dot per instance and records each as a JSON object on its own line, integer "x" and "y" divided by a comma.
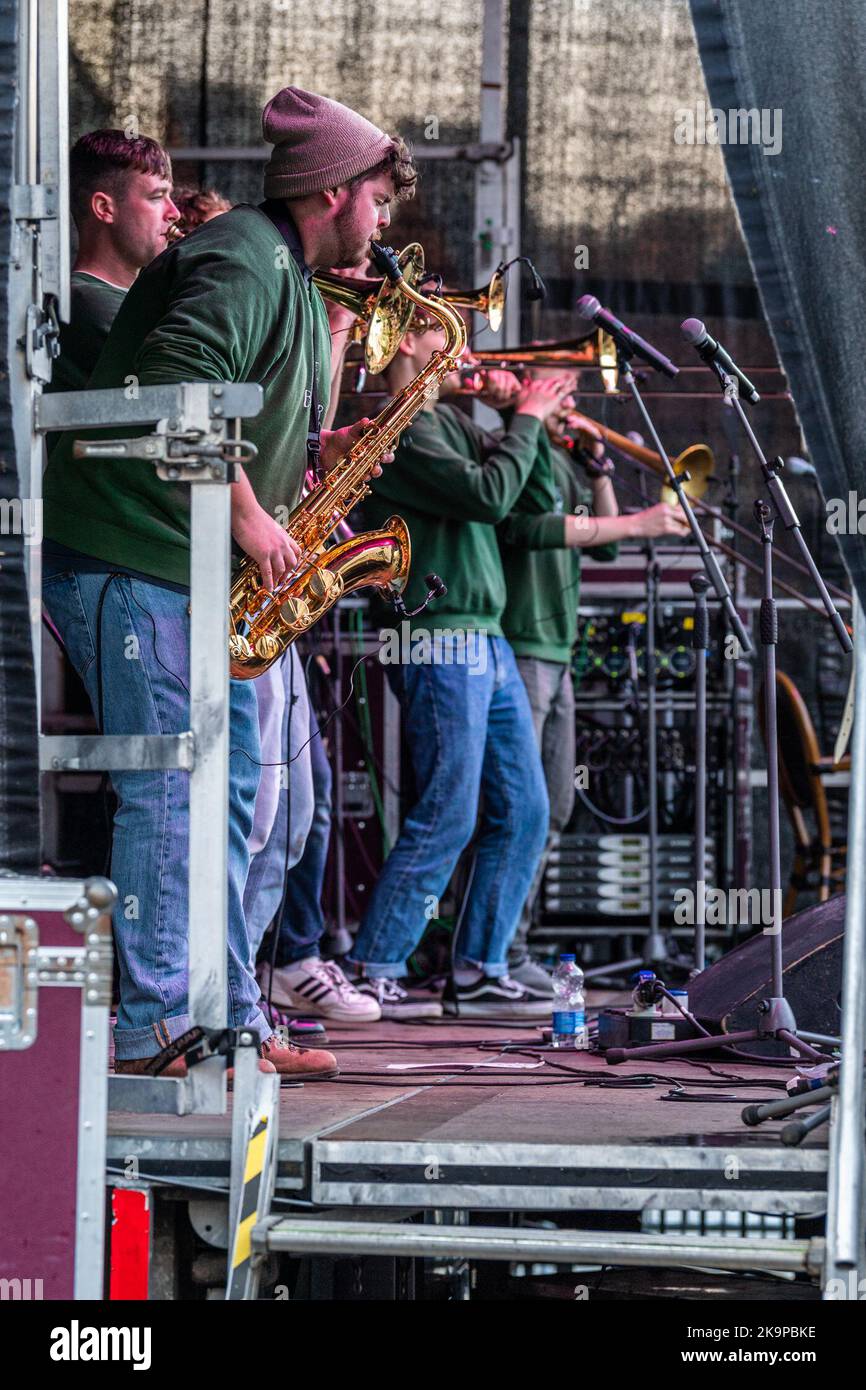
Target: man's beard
{"x": 352, "y": 251}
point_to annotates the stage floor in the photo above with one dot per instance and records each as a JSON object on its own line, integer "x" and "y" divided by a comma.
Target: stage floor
{"x": 409, "y": 1123}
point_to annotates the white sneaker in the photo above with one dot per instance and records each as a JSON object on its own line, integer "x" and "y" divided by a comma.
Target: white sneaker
{"x": 320, "y": 988}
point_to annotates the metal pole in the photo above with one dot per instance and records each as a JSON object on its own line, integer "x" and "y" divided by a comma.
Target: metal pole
{"x": 700, "y": 584}
{"x": 769, "y": 638}
{"x": 845, "y": 1225}
{"x": 315, "y": 1235}
{"x": 339, "y": 798}
{"x": 491, "y": 184}
{"x": 210, "y": 555}
{"x": 655, "y": 947}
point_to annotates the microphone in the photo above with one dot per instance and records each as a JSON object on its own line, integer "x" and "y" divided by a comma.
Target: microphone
{"x": 588, "y": 308}
{"x": 435, "y": 589}
{"x": 537, "y": 289}
{"x": 712, "y": 352}
{"x": 435, "y": 585}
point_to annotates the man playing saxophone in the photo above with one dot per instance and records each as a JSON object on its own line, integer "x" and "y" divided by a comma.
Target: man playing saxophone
{"x": 233, "y": 302}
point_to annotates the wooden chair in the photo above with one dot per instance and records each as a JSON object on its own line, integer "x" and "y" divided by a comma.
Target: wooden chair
{"x": 819, "y": 854}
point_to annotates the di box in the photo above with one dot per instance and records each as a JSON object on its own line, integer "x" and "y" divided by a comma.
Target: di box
{"x": 619, "y": 1029}
{"x": 55, "y": 998}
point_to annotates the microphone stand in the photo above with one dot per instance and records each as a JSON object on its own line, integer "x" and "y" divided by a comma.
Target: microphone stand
{"x": 775, "y": 1019}
{"x": 784, "y": 507}
{"x": 676, "y": 481}
{"x": 775, "y": 1022}
{"x": 654, "y": 950}
{"x": 700, "y": 642}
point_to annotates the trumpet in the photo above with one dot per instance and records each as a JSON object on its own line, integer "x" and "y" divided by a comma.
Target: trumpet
{"x": 488, "y": 300}
{"x": 382, "y": 312}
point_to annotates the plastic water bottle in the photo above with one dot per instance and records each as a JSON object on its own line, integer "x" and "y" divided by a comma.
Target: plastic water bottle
{"x": 569, "y": 1010}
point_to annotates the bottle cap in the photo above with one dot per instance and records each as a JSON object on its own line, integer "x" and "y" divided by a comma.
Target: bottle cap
{"x": 568, "y": 957}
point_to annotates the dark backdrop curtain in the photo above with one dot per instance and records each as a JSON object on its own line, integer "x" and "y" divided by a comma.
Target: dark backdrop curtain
{"x": 803, "y": 211}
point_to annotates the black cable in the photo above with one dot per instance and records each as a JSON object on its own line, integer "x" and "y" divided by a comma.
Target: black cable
{"x": 160, "y": 662}
{"x": 320, "y": 731}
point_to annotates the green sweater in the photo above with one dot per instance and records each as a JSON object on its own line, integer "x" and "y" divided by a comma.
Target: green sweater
{"x": 228, "y": 303}
{"x": 452, "y": 482}
{"x": 542, "y": 573}
{"x": 94, "y": 306}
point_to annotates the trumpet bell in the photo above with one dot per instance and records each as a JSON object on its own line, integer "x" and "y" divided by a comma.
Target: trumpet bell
{"x": 698, "y": 462}
{"x": 496, "y": 301}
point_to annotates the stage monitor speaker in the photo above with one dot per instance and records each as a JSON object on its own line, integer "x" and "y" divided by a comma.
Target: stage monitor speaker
{"x": 725, "y": 997}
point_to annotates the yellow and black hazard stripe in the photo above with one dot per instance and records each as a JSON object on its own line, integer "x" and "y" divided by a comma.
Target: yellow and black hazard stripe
{"x": 248, "y": 1212}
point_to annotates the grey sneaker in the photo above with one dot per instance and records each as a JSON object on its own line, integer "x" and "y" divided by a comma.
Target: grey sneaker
{"x": 537, "y": 981}
{"x": 396, "y": 1002}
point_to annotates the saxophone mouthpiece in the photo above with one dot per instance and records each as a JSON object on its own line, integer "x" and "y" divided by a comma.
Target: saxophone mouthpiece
{"x": 385, "y": 260}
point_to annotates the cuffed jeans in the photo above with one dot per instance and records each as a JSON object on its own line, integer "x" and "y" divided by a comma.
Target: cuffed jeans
{"x": 551, "y": 699}
{"x": 469, "y": 732}
{"x": 145, "y": 690}
{"x": 284, "y": 805}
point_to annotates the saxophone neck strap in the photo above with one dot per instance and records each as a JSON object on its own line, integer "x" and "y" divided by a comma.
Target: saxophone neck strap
{"x": 285, "y": 225}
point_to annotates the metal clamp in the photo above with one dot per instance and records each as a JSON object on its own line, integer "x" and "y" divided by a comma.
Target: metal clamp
{"x": 41, "y": 340}
{"x": 34, "y": 202}
{"x": 179, "y": 457}
{"x": 19, "y": 984}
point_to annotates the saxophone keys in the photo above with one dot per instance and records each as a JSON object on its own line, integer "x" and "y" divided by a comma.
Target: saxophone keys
{"x": 239, "y": 648}
{"x": 326, "y": 585}
{"x": 295, "y": 613}
{"x": 267, "y": 647}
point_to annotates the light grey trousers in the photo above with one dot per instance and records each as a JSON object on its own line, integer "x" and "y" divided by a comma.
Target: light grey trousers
{"x": 285, "y": 800}
{"x": 551, "y": 699}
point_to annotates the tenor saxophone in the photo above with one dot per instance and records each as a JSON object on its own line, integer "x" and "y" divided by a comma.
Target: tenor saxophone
{"x": 263, "y": 623}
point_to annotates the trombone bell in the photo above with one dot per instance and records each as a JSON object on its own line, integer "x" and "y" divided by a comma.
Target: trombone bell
{"x": 698, "y": 462}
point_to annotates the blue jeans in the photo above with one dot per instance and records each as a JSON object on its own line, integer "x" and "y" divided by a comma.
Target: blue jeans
{"x": 303, "y": 923}
{"x": 469, "y": 732}
{"x": 145, "y": 690}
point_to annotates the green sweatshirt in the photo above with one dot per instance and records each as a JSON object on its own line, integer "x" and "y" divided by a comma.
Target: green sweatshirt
{"x": 542, "y": 574}
{"x": 227, "y": 303}
{"x": 451, "y": 482}
{"x": 94, "y": 306}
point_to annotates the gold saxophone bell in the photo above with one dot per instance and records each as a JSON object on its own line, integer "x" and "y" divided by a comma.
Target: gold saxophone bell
{"x": 383, "y": 313}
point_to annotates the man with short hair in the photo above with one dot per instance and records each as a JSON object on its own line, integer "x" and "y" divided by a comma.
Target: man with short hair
{"x": 235, "y": 302}
{"x": 120, "y": 197}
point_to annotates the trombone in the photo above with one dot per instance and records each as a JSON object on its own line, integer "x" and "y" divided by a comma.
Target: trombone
{"x": 599, "y": 350}
{"x": 697, "y": 459}
{"x": 382, "y": 312}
